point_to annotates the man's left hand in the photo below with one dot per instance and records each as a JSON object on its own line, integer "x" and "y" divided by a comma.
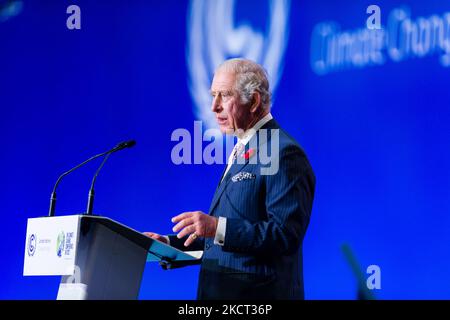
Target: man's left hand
{"x": 195, "y": 223}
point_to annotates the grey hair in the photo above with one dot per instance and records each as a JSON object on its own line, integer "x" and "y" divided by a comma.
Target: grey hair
{"x": 250, "y": 78}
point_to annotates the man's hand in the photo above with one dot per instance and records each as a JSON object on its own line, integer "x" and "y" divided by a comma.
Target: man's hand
{"x": 156, "y": 236}
{"x": 197, "y": 224}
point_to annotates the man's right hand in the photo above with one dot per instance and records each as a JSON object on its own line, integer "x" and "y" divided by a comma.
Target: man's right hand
{"x": 157, "y": 236}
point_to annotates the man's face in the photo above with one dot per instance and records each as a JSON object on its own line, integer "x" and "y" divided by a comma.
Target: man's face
{"x": 231, "y": 115}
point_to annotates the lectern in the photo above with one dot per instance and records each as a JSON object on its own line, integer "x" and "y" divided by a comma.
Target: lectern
{"x": 98, "y": 258}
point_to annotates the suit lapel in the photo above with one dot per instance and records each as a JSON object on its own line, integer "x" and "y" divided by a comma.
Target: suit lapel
{"x": 237, "y": 167}
{"x": 217, "y": 194}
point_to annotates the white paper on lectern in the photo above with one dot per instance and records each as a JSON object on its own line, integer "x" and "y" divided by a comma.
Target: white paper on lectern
{"x": 196, "y": 254}
{"x": 182, "y": 255}
{"x": 50, "y": 246}
{"x": 158, "y": 250}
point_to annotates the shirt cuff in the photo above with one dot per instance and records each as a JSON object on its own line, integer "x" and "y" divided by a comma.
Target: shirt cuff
{"x": 219, "y": 239}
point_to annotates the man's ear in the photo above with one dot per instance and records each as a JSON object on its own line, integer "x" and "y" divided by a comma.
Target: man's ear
{"x": 256, "y": 101}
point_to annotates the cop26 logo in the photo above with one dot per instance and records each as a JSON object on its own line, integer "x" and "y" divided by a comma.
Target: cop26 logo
{"x": 214, "y": 35}
{"x": 31, "y": 247}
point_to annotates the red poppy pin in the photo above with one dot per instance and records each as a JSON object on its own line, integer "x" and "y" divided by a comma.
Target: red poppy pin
{"x": 249, "y": 154}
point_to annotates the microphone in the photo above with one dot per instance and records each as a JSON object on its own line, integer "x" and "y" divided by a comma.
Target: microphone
{"x": 120, "y": 146}
{"x": 91, "y": 195}
{"x": 123, "y": 145}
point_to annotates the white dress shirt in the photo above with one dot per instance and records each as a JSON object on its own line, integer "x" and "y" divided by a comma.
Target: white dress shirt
{"x": 219, "y": 239}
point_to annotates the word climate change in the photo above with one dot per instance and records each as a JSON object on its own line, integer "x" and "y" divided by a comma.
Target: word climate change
{"x": 403, "y": 38}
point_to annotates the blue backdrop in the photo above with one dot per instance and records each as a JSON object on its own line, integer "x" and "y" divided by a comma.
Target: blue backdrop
{"x": 376, "y": 131}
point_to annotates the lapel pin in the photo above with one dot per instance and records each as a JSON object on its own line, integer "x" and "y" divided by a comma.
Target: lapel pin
{"x": 249, "y": 154}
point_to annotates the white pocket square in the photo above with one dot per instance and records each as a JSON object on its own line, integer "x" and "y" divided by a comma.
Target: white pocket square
{"x": 243, "y": 176}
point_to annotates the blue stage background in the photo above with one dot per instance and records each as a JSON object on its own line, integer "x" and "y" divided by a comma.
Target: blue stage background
{"x": 378, "y": 139}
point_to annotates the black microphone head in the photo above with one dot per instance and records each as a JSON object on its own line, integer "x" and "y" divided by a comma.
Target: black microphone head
{"x": 130, "y": 143}
{"x": 126, "y": 144}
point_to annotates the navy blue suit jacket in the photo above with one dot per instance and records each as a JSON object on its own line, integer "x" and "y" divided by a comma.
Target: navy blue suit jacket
{"x": 267, "y": 217}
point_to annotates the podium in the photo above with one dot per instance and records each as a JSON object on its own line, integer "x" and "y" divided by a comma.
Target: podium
{"x": 96, "y": 257}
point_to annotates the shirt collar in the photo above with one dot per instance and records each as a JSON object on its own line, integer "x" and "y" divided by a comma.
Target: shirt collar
{"x": 251, "y": 132}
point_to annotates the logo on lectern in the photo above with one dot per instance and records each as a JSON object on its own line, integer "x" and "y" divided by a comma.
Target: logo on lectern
{"x": 60, "y": 243}
{"x": 31, "y": 247}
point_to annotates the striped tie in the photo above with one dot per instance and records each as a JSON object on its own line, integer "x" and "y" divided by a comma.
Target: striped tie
{"x": 238, "y": 148}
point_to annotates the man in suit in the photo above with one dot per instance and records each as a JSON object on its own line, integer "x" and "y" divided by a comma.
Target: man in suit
{"x": 252, "y": 236}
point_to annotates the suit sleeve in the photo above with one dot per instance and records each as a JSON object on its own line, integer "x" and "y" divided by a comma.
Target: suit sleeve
{"x": 288, "y": 202}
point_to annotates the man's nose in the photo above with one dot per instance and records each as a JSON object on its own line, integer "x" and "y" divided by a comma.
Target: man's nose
{"x": 216, "y": 106}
